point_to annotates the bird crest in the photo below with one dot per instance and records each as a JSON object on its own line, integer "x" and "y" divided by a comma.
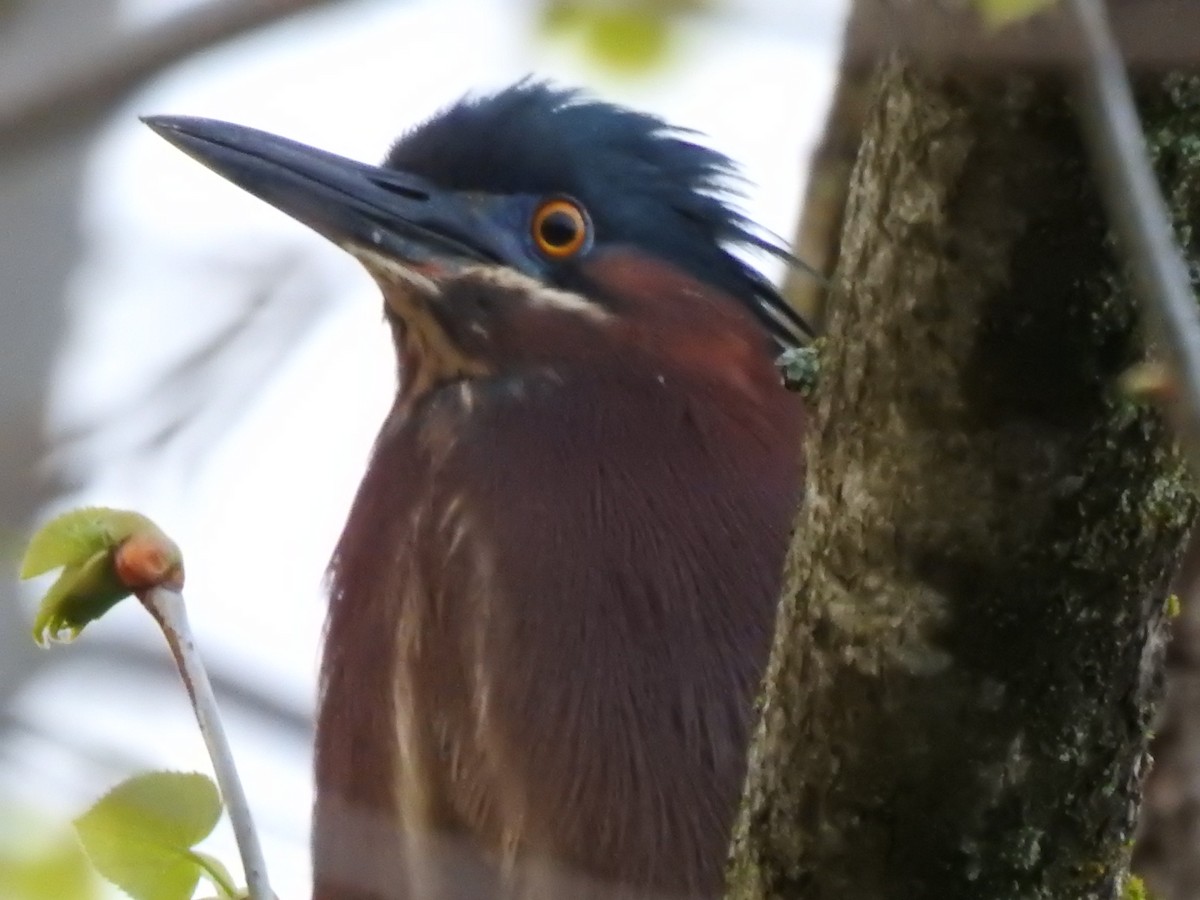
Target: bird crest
{"x": 644, "y": 182}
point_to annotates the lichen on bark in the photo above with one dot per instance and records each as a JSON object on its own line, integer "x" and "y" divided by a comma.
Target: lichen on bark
{"x": 967, "y": 655}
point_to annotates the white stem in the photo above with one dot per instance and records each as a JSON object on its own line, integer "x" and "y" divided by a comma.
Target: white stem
{"x": 167, "y": 607}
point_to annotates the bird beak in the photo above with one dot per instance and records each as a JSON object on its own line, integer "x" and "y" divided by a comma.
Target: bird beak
{"x": 384, "y": 212}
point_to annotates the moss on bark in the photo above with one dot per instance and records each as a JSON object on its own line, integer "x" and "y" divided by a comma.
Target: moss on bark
{"x": 968, "y": 652}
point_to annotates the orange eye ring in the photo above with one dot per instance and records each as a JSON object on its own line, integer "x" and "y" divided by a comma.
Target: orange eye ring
{"x": 560, "y": 228}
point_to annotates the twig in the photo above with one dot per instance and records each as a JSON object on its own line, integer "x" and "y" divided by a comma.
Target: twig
{"x": 1139, "y": 214}
{"x": 167, "y": 607}
{"x": 56, "y": 101}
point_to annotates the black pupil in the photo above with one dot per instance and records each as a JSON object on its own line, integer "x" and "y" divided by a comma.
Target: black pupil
{"x": 559, "y": 228}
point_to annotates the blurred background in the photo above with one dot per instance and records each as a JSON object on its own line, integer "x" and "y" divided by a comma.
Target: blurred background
{"x": 169, "y": 344}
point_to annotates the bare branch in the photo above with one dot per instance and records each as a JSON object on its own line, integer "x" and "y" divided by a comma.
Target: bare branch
{"x": 166, "y": 605}
{"x": 69, "y": 97}
{"x": 1139, "y": 215}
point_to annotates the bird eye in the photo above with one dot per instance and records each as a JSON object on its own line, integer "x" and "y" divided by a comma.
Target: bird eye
{"x": 560, "y": 228}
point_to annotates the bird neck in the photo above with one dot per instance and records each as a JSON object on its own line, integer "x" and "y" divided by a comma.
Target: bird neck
{"x": 631, "y": 512}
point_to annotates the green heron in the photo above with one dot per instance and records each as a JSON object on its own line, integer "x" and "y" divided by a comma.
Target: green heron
{"x": 553, "y": 598}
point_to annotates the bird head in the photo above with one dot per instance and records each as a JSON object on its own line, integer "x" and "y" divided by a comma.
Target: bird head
{"x": 534, "y": 227}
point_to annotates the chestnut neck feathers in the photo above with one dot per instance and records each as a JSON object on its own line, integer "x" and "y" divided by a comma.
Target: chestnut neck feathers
{"x": 553, "y": 598}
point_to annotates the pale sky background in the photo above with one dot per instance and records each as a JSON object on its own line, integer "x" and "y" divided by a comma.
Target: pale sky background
{"x": 168, "y": 248}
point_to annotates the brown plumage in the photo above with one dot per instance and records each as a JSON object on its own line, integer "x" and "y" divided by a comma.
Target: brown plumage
{"x": 552, "y": 605}
{"x": 553, "y": 599}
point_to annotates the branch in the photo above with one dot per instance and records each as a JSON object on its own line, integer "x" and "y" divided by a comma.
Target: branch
{"x": 66, "y": 98}
{"x": 166, "y": 605}
{"x": 1139, "y": 215}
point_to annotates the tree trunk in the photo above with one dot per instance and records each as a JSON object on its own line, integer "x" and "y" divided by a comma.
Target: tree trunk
{"x": 1167, "y": 853}
{"x": 968, "y": 653}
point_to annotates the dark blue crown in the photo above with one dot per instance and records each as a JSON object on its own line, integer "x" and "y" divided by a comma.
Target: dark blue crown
{"x": 643, "y": 181}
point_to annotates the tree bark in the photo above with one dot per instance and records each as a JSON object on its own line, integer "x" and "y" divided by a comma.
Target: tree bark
{"x": 968, "y": 652}
{"x": 1167, "y": 852}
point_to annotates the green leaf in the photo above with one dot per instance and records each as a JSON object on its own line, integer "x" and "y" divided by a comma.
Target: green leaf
{"x": 62, "y": 874}
{"x": 141, "y": 833}
{"x": 74, "y": 537}
{"x": 998, "y": 13}
{"x": 41, "y": 862}
{"x": 80, "y": 594}
{"x": 84, "y": 544}
{"x": 215, "y": 872}
{"x": 628, "y": 39}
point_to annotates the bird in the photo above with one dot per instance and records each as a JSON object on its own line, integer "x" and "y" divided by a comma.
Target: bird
{"x": 552, "y": 602}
